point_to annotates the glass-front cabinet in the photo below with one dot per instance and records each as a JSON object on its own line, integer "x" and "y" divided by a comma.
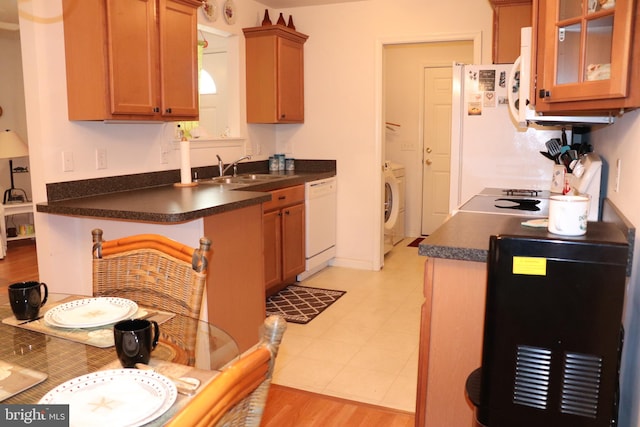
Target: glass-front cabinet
{"x": 584, "y": 51}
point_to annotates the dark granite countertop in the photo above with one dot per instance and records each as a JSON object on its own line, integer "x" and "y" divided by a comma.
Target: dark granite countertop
{"x": 153, "y": 197}
{"x": 465, "y": 235}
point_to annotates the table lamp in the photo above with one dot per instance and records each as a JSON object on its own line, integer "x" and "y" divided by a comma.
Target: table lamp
{"x": 11, "y": 146}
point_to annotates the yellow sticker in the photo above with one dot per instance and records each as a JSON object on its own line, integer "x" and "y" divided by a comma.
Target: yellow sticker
{"x": 530, "y": 266}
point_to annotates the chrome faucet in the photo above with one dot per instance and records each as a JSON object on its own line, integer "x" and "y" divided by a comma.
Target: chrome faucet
{"x": 224, "y": 170}
{"x": 220, "y": 166}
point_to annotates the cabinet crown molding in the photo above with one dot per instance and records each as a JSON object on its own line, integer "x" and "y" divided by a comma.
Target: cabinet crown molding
{"x": 276, "y": 30}
{"x": 497, "y": 3}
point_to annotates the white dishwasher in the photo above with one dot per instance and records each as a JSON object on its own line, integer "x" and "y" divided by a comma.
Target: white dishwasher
{"x": 320, "y": 225}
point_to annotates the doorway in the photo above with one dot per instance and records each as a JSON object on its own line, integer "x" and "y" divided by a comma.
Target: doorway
{"x": 424, "y": 123}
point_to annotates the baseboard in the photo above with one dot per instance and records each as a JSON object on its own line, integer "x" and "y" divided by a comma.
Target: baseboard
{"x": 352, "y": 263}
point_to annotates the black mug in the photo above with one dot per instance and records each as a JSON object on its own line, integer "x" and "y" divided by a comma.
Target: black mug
{"x": 135, "y": 340}
{"x": 26, "y": 299}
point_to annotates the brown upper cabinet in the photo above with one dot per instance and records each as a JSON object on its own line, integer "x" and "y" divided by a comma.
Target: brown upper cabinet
{"x": 131, "y": 59}
{"x": 509, "y": 16}
{"x": 588, "y": 55}
{"x": 275, "y": 74}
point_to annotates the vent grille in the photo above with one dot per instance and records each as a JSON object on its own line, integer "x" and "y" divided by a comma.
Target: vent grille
{"x": 531, "y": 385}
{"x": 581, "y": 384}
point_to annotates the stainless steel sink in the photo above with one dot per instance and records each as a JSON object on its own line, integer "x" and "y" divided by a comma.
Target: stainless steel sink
{"x": 259, "y": 177}
{"x": 220, "y": 180}
{"x": 246, "y": 179}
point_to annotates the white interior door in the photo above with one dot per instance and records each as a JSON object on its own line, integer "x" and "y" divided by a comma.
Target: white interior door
{"x": 436, "y": 169}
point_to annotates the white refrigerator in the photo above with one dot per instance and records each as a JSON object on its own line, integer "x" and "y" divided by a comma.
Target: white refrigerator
{"x": 488, "y": 149}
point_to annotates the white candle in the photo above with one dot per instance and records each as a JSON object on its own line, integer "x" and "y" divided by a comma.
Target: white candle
{"x": 185, "y": 162}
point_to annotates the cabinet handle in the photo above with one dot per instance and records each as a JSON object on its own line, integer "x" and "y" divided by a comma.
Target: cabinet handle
{"x": 168, "y": 110}
{"x": 282, "y": 198}
{"x": 544, "y": 94}
{"x": 156, "y": 109}
{"x": 279, "y": 213}
{"x": 287, "y": 213}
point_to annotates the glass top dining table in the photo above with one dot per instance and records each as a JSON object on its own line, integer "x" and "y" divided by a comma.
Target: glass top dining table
{"x": 186, "y": 345}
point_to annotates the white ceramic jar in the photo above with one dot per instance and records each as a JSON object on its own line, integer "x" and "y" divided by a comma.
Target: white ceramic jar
{"x": 568, "y": 215}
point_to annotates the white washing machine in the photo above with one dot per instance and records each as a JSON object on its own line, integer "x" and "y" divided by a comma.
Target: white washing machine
{"x": 393, "y": 203}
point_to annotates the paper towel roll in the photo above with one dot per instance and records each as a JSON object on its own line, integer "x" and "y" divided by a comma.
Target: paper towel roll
{"x": 185, "y": 162}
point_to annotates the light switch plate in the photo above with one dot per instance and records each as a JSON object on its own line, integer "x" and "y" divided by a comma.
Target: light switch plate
{"x": 67, "y": 161}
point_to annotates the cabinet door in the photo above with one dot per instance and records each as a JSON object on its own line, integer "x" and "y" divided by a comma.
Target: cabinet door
{"x": 508, "y": 18}
{"x": 290, "y": 81}
{"x": 586, "y": 49}
{"x": 272, "y": 248}
{"x": 261, "y": 83}
{"x": 178, "y": 59}
{"x": 293, "y": 255}
{"x": 132, "y": 53}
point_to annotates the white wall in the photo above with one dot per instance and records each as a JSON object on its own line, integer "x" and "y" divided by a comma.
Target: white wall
{"x": 343, "y": 109}
{"x": 622, "y": 141}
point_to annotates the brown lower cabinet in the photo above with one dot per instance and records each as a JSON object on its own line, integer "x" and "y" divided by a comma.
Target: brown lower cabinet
{"x": 283, "y": 225}
{"x": 451, "y": 335}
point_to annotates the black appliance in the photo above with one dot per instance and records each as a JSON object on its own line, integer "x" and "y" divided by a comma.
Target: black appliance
{"x": 552, "y": 334}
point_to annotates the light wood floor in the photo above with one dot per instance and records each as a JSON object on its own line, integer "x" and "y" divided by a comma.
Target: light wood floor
{"x": 20, "y": 263}
{"x": 286, "y": 407}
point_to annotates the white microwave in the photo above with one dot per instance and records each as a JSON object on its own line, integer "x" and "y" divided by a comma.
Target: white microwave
{"x": 521, "y": 109}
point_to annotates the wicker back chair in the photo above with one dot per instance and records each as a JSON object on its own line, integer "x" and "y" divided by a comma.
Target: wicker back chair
{"x": 155, "y": 272}
{"x": 236, "y": 397}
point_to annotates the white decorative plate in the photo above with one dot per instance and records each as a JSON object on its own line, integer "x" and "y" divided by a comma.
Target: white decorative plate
{"x": 210, "y": 9}
{"x": 229, "y": 11}
{"x": 90, "y": 312}
{"x": 123, "y": 397}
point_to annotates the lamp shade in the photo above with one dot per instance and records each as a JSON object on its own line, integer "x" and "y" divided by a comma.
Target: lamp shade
{"x": 11, "y": 145}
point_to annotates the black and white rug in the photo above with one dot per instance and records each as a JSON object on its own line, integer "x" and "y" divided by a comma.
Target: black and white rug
{"x": 301, "y": 304}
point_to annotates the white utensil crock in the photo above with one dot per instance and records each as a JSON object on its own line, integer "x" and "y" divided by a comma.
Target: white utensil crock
{"x": 568, "y": 215}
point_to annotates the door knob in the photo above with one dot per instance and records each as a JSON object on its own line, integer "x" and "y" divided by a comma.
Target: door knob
{"x": 428, "y": 161}
{"x": 429, "y": 150}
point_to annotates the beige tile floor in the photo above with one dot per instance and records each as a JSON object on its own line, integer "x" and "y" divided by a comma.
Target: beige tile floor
{"x": 365, "y": 346}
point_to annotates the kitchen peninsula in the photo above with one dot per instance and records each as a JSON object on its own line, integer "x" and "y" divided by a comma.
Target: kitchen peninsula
{"x": 451, "y": 332}
{"x": 229, "y": 214}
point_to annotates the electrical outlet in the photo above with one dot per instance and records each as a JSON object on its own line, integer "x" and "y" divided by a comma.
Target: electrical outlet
{"x": 67, "y": 161}
{"x": 165, "y": 149}
{"x": 101, "y": 158}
